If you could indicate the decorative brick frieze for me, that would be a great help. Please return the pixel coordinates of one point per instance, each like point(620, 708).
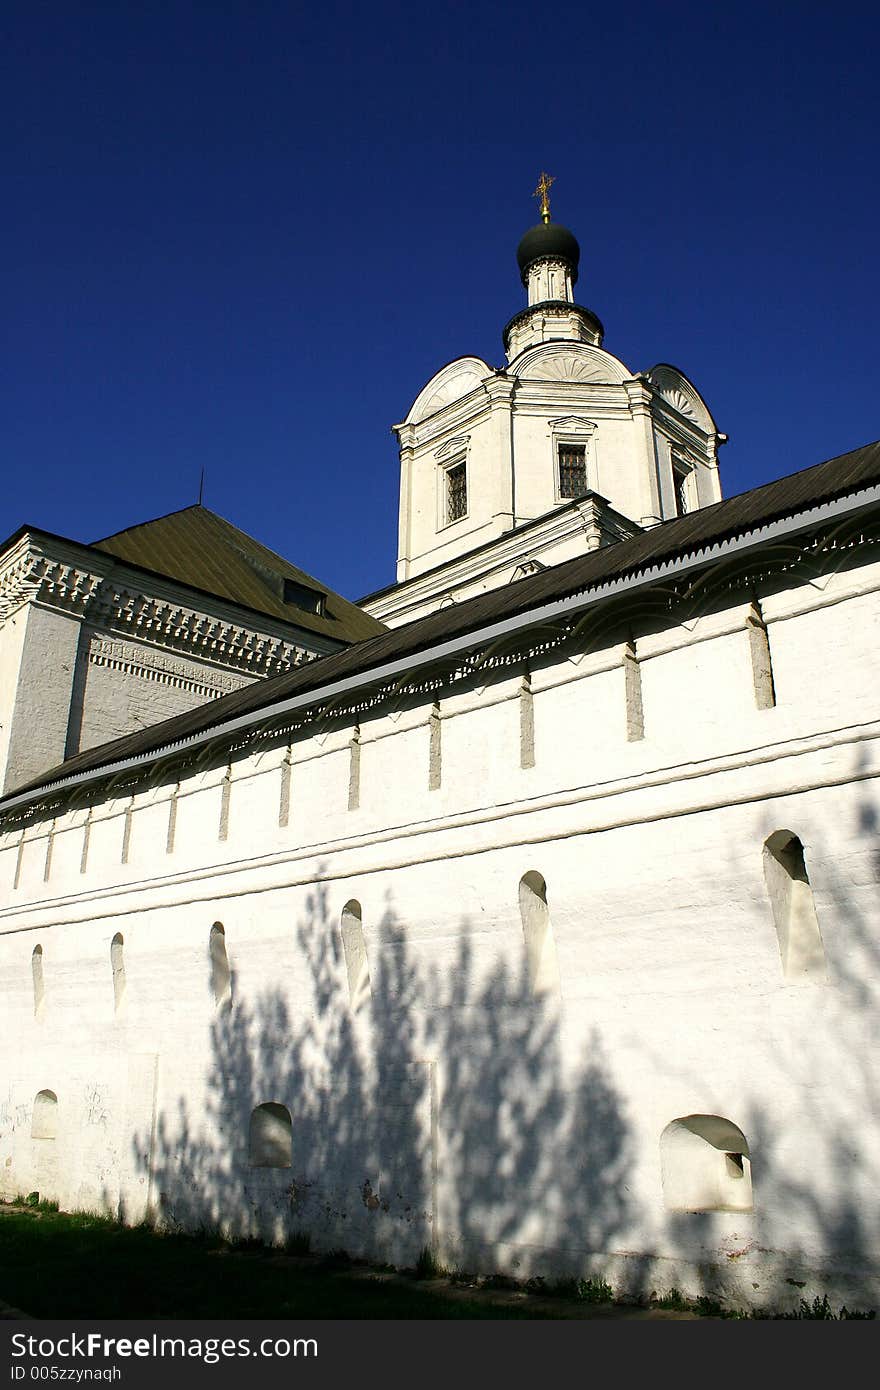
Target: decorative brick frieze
point(151, 665)
point(197, 634)
point(33, 576)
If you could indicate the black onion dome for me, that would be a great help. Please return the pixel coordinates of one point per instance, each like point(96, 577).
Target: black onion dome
point(548, 239)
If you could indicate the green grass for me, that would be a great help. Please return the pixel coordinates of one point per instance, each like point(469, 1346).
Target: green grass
point(673, 1299)
point(73, 1265)
point(821, 1311)
point(578, 1290)
point(818, 1310)
point(33, 1200)
point(427, 1266)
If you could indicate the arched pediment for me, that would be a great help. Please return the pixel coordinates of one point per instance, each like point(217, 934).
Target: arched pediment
point(453, 381)
point(569, 362)
point(681, 394)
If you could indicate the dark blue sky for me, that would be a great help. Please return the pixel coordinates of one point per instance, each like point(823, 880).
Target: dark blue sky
point(245, 235)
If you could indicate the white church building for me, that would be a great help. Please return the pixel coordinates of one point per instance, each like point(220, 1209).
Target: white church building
point(528, 912)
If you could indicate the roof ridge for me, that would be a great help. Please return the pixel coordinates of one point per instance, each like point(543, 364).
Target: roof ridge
point(235, 531)
point(199, 547)
point(151, 521)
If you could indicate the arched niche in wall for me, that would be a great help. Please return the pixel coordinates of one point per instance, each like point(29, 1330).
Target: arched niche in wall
point(705, 1165)
point(38, 981)
point(44, 1122)
point(117, 967)
point(542, 970)
point(354, 949)
point(794, 912)
point(221, 976)
point(270, 1142)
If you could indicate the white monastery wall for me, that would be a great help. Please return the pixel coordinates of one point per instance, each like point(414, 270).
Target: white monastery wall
point(450, 1104)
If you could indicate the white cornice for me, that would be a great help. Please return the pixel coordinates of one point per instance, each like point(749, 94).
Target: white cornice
point(238, 730)
point(468, 411)
point(681, 427)
point(570, 397)
point(494, 564)
point(28, 574)
point(31, 573)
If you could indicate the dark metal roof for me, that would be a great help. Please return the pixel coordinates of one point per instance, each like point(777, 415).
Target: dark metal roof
point(679, 537)
point(548, 239)
point(197, 547)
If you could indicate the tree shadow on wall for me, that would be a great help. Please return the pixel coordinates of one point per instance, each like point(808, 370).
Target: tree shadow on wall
point(539, 1154)
point(439, 1114)
point(815, 1200)
point(828, 1187)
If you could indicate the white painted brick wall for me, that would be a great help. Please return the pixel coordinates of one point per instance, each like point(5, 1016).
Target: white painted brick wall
point(509, 1132)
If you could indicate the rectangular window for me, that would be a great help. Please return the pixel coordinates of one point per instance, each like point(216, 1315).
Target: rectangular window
point(456, 492)
point(301, 596)
point(572, 470)
point(680, 479)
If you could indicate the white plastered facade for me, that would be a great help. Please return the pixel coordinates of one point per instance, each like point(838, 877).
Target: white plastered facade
point(454, 1107)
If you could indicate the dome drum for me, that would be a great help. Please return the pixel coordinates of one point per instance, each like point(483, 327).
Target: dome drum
point(556, 308)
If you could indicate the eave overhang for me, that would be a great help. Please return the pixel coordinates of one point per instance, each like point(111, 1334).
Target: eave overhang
point(238, 731)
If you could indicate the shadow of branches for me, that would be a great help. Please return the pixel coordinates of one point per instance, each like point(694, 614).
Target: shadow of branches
point(437, 1115)
point(826, 1185)
point(807, 1080)
point(448, 1111)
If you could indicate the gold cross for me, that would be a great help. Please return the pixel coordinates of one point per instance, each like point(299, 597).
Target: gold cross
point(543, 192)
